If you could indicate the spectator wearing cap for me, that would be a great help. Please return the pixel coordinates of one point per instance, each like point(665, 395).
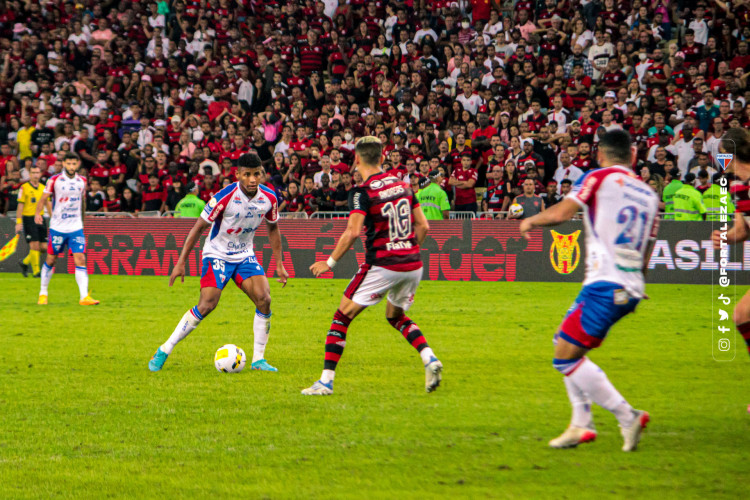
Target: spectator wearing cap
point(191, 205)
point(433, 199)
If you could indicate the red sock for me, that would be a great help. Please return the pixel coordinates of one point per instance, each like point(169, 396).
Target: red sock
point(336, 340)
point(410, 331)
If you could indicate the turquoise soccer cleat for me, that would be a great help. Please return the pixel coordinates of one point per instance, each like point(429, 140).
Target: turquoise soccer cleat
point(157, 360)
point(263, 365)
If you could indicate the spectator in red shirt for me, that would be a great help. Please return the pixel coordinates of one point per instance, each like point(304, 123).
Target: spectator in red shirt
point(463, 179)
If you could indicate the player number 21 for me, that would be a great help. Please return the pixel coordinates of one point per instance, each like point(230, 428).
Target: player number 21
point(635, 223)
point(399, 219)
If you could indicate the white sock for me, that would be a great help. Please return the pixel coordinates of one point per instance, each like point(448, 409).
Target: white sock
point(581, 405)
point(187, 324)
point(82, 278)
point(426, 355)
point(261, 331)
point(47, 272)
point(327, 376)
point(590, 379)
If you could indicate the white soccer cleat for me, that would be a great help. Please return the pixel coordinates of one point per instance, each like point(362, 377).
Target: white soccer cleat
point(433, 374)
point(319, 388)
point(573, 436)
point(632, 435)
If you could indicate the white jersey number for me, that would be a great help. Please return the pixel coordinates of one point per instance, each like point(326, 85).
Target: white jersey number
point(399, 219)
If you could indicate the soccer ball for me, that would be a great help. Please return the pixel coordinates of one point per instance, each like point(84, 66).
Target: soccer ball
point(515, 210)
point(229, 359)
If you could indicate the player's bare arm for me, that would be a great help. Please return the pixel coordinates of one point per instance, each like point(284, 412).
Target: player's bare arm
point(558, 214)
point(421, 225)
point(274, 236)
point(347, 239)
point(19, 210)
point(190, 241)
point(40, 207)
point(83, 209)
point(736, 234)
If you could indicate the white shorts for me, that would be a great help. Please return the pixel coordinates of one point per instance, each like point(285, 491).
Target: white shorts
point(371, 283)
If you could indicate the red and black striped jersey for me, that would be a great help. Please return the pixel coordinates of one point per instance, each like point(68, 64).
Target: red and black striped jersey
point(387, 204)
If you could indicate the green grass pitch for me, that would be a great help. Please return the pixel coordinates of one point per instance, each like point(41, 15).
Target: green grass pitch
point(82, 417)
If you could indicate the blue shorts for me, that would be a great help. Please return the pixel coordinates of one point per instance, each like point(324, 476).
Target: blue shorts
point(217, 273)
point(597, 307)
point(76, 241)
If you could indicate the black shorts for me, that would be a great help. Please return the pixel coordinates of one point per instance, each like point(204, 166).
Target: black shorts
point(34, 231)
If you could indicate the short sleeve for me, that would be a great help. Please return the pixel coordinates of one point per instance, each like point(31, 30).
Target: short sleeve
point(50, 187)
point(584, 189)
point(213, 209)
point(359, 202)
point(272, 216)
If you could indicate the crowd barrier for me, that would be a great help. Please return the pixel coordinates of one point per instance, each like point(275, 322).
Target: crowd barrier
point(455, 250)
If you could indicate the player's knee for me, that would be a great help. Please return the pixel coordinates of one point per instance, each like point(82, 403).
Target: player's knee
point(263, 303)
point(206, 307)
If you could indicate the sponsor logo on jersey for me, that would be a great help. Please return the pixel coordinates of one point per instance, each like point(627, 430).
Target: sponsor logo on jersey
point(724, 159)
point(565, 252)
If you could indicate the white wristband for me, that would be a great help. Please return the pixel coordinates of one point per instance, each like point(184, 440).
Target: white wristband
point(331, 263)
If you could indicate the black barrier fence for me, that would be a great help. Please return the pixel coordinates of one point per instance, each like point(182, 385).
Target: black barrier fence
point(455, 250)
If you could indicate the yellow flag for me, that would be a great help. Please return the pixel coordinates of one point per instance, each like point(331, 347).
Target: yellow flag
point(9, 248)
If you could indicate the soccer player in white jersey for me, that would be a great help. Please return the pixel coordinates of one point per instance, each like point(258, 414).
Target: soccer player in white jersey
point(619, 213)
point(68, 192)
point(234, 214)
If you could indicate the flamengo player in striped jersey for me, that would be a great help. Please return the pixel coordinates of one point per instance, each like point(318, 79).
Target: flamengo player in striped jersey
point(396, 228)
point(68, 193)
point(234, 214)
point(620, 222)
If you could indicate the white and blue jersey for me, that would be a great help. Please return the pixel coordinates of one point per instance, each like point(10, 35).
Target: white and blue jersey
point(67, 197)
point(66, 223)
point(619, 213)
point(235, 218)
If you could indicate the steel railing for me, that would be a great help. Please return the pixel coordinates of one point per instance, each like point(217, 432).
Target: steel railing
point(462, 215)
point(293, 215)
point(329, 215)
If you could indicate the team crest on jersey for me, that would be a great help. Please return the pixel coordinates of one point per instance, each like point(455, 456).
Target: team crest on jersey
point(724, 159)
point(212, 202)
point(565, 252)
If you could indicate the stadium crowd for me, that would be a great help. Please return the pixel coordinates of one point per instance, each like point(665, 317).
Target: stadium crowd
point(489, 100)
